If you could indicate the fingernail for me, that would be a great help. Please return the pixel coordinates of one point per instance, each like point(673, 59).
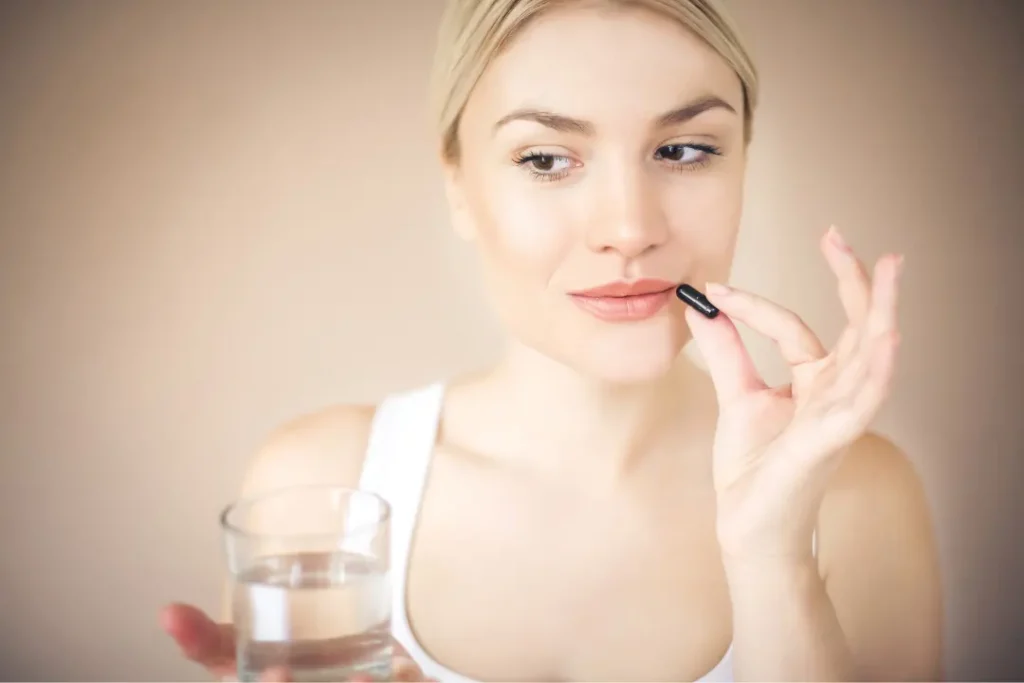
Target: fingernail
point(899, 265)
point(715, 289)
point(837, 239)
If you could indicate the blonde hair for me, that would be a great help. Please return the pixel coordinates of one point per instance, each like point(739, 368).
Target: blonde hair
point(474, 32)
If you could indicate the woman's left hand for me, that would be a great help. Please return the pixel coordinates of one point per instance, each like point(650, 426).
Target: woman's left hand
point(776, 447)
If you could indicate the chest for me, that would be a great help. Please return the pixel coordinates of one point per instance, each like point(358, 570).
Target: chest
point(508, 579)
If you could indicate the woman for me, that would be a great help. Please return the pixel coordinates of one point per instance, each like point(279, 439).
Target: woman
point(631, 517)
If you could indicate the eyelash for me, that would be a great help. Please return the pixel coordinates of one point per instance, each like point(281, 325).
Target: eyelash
point(528, 158)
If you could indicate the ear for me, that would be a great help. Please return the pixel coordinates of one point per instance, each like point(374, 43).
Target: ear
point(457, 205)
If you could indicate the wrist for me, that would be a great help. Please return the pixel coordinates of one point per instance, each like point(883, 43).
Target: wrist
point(770, 547)
point(752, 536)
point(759, 584)
point(784, 624)
point(770, 570)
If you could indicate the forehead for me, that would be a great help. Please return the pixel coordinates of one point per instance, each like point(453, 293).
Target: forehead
point(591, 61)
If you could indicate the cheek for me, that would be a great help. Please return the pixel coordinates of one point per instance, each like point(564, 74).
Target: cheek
point(522, 230)
point(706, 212)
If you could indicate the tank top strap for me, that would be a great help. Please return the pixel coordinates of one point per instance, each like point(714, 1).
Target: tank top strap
point(402, 438)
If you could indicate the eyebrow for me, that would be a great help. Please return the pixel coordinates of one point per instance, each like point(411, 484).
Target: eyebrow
point(568, 124)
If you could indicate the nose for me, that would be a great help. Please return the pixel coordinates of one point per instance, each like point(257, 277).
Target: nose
point(628, 217)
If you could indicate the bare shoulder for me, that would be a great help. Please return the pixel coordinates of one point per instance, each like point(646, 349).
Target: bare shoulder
point(877, 553)
point(875, 494)
point(325, 447)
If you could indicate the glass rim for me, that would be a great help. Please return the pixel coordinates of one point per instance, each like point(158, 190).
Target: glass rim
point(233, 528)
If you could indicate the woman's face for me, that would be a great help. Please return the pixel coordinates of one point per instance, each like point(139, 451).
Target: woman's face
point(601, 147)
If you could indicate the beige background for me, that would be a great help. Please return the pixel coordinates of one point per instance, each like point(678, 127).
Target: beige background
point(216, 215)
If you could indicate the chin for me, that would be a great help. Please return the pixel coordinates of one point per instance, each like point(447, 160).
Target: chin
point(626, 371)
point(630, 354)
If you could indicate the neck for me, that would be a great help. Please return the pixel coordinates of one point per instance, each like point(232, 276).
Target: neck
point(564, 421)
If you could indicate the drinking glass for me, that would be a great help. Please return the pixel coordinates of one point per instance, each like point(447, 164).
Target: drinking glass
point(311, 592)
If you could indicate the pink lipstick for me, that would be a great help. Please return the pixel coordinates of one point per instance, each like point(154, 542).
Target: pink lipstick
point(625, 301)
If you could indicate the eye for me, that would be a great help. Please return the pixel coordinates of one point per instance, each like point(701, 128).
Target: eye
point(686, 156)
point(545, 166)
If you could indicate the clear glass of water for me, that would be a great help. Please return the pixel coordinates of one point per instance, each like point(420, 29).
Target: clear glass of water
point(311, 589)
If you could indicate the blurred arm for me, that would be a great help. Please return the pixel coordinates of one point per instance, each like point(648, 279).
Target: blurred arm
point(870, 607)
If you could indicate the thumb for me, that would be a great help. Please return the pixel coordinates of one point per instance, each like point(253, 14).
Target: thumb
point(276, 675)
point(201, 639)
point(729, 363)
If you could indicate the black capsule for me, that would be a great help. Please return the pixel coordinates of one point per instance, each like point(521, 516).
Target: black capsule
point(697, 300)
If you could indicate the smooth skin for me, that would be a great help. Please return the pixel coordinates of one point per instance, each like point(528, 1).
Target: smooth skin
point(599, 508)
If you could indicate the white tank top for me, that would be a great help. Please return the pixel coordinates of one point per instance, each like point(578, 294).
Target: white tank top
point(402, 440)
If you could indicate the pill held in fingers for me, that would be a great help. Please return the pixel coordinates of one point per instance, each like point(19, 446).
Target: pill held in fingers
point(696, 300)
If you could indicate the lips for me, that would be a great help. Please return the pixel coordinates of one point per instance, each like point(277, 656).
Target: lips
point(625, 301)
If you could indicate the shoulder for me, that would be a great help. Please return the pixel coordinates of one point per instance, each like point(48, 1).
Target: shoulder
point(878, 557)
point(874, 463)
point(875, 499)
point(874, 479)
point(327, 447)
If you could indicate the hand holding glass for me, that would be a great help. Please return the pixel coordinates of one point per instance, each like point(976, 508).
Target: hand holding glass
point(311, 593)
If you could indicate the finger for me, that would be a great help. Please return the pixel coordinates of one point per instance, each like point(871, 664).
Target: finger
point(857, 345)
point(848, 342)
point(854, 282)
point(860, 345)
point(797, 343)
point(201, 639)
point(732, 370)
point(405, 669)
point(853, 414)
point(846, 412)
point(276, 675)
point(879, 380)
point(882, 316)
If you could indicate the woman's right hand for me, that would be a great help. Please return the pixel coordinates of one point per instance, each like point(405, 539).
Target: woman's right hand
point(201, 639)
point(212, 646)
